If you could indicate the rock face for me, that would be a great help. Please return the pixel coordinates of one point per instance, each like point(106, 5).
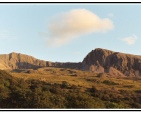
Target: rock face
point(98, 61)
point(103, 60)
point(22, 61)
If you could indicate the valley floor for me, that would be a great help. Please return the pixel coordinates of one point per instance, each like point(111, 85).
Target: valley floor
point(68, 88)
point(84, 79)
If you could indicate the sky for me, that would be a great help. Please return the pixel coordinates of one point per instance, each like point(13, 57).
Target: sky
point(68, 32)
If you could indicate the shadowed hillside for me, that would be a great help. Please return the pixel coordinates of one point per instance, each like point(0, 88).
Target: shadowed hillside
point(102, 60)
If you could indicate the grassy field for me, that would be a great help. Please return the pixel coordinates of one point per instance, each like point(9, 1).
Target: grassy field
point(67, 88)
point(83, 79)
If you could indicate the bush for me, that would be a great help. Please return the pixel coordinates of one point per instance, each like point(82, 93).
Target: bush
point(108, 82)
point(113, 105)
point(65, 84)
point(93, 89)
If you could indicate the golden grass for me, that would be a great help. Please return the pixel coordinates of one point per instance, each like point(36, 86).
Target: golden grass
point(80, 78)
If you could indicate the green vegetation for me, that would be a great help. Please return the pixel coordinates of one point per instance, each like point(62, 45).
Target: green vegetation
point(86, 90)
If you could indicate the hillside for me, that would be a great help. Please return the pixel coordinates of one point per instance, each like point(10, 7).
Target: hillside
point(98, 61)
point(67, 88)
point(22, 61)
point(102, 60)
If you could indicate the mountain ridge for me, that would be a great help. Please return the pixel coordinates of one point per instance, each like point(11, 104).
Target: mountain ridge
point(105, 61)
point(15, 60)
point(98, 60)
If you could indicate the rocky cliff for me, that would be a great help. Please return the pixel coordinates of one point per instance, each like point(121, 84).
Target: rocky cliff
point(22, 61)
point(98, 61)
point(102, 60)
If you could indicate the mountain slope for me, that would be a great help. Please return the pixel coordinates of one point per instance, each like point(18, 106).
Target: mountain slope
point(98, 61)
point(102, 60)
point(22, 61)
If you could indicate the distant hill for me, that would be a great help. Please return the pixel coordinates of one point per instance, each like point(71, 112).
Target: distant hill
point(22, 61)
point(98, 61)
point(102, 60)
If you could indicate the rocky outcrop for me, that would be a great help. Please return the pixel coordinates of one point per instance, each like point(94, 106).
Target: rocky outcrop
point(22, 61)
point(112, 62)
point(98, 61)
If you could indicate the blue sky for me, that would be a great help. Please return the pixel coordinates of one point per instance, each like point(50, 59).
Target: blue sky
point(33, 29)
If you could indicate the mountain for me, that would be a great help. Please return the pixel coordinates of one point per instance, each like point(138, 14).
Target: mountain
point(22, 61)
point(98, 61)
point(102, 60)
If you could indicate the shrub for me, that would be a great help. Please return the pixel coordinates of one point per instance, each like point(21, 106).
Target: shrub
point(65, 84)
point(113, 105)
point(108, 82)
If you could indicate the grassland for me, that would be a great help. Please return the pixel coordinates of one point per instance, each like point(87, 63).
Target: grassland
point(83, 79)
point(67, 88)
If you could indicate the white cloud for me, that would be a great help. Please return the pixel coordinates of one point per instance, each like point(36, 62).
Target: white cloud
point(130, 40)
point(67, 26)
